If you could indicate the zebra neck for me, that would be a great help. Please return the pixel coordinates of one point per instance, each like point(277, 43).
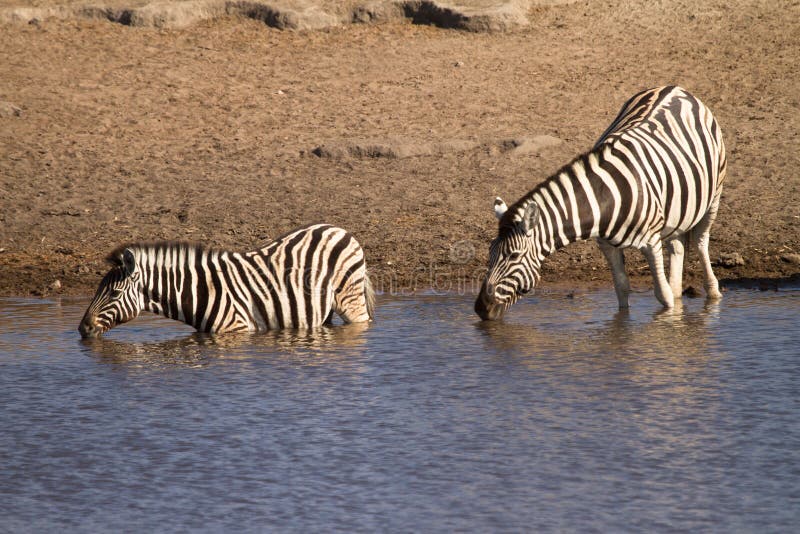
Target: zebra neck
point(569, 208)
point(168, 275)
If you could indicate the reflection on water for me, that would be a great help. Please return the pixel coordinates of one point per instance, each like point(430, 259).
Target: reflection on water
point(563, 416)
point(649, 375)
point(326, 344)
point(684, 337)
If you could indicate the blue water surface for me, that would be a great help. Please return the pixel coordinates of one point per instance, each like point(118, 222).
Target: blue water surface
point(567, 415)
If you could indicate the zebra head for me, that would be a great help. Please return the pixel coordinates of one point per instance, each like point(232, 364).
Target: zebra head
point(118, 298)
point(515, 259)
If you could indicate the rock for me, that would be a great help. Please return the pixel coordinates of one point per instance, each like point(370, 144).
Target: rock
point(730, 259)
point(55, 286)
point(470, 15)
point(25, 15)
point(791, 257)
point(333, 151)
point(174, 14)
point(389, 148)
point(285, 15)
point(7, 109)
point(377, 11)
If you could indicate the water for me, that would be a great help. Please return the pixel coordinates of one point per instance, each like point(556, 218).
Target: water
point(566, 416)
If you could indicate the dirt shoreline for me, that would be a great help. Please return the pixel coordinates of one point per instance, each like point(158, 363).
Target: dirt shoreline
point(230, 133)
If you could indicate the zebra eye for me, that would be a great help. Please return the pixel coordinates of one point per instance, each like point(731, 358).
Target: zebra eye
point(117, 293)
point(514, 256)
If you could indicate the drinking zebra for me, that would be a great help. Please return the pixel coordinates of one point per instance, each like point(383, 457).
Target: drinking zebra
point(653, 178)
point(297, 281)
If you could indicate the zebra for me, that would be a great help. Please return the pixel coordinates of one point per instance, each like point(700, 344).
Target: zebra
point(654, 178)
point(297, 281)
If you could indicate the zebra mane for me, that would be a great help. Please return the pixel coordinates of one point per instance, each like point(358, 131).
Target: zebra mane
point(600, 151)
point(509, 219)
point(115, 256)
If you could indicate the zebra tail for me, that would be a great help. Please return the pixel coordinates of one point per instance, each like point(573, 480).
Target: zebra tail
point(369, 296)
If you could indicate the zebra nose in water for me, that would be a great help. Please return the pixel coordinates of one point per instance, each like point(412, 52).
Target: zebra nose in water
point(486, 310)
point(87, 328)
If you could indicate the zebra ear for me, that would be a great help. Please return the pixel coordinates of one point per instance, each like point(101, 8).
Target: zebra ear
point(499, 207)
point(530, 217)
point(128, 261)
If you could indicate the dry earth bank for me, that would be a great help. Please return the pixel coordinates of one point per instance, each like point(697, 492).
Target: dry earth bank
point(230, 132)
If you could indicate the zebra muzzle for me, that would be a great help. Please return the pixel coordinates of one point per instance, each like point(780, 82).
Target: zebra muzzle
point(486, 307)
point(88, 328)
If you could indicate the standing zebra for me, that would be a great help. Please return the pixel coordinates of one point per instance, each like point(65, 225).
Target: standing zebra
point(297, 281)
point(654, 177)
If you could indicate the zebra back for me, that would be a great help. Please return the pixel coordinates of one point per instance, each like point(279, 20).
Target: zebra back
point(687, 125)
point(656, 170)
point(634, 111)
point(310, 272)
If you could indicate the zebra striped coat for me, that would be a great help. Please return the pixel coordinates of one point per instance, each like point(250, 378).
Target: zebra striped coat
point(297, 281)
point(654, 178)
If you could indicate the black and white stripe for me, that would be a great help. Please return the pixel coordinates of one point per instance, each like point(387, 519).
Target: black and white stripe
point(654, 178)
point(297, 281)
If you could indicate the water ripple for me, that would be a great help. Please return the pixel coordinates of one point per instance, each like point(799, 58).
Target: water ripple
point(567, 415)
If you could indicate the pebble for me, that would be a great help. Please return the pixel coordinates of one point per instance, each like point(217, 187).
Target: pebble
point(55, 286)
point(791, 258)
point(730, 259)
point(7, 109)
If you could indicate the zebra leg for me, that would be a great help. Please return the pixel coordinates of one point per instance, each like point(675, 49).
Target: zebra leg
point(703, 232)
point(616, 260)
point(655, 258)
point(676, 248)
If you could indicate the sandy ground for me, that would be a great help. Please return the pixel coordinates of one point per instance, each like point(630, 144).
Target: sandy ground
point(211, 133)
